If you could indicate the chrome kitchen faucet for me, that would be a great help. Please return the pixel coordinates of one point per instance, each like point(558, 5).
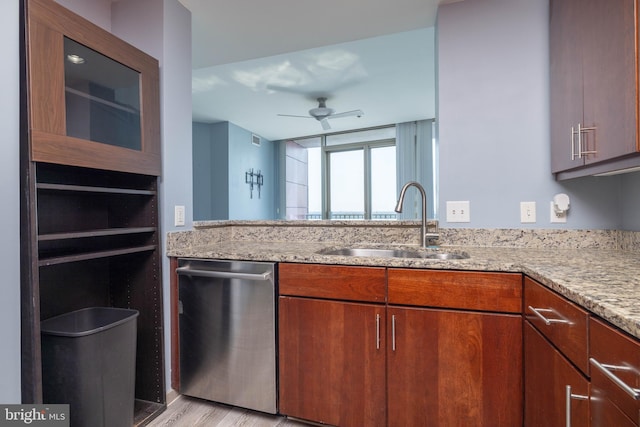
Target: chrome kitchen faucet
point(423, 229)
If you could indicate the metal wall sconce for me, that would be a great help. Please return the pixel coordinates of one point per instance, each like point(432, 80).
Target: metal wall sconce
point(254, 178)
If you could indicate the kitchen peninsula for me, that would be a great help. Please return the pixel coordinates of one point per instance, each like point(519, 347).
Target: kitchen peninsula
point(461, 318)
point(597, 269)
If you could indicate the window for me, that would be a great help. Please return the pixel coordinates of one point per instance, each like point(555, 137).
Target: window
point(344, 176)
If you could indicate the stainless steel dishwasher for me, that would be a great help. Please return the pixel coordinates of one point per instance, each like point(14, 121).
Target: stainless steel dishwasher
point(227, 328)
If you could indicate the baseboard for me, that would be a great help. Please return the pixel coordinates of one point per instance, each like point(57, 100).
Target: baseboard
point(171, 396)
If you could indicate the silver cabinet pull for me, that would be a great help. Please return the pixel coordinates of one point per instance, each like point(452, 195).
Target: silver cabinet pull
point(579, 140)
point(377, 332)
point(186, 271)
point(568, 397)
point(606, 370)
point(393, 332)
point(580, 152)
point(538, 312)
point(582, 130)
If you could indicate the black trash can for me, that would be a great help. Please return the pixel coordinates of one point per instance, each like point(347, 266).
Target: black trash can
point(89, 362)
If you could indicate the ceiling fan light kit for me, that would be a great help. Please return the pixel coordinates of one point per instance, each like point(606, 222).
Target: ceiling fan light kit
point(322, 113)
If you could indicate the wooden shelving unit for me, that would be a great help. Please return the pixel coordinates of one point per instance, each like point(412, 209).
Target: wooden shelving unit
point(89, 232)
point(97, 244)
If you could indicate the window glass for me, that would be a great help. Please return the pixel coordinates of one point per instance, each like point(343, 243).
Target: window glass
point(102, 98)
point(346, 183)
point(383, 182)
point(314, 183)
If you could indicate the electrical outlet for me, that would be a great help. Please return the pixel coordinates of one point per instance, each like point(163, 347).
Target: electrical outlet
point(458, 212)
point(527, 212)
point(178, 218)
point(554, 218)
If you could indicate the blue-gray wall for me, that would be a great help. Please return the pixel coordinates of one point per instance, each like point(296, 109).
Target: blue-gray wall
point(493, 120)
point(10, 216)
point(244, 156)
point(210, 171)
point(222, 154)
point(630, 194)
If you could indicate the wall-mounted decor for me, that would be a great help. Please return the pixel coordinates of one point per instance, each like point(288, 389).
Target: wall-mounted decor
point(254, 178)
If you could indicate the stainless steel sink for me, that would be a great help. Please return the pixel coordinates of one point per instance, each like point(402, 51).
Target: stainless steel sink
point(393, 253)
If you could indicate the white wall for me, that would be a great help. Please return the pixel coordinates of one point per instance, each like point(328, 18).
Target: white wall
point(10, 196)
point(493, 119)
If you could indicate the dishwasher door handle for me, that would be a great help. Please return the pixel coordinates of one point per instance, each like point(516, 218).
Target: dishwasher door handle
point(186, 271)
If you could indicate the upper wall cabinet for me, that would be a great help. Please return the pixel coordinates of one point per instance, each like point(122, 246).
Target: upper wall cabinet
point(94, 99)
point(594, 87)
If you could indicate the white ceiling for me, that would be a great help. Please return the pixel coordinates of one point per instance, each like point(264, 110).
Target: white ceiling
point(253, 60)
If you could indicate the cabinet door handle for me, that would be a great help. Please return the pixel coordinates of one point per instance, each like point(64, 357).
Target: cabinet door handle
point(581, 130)
point(579, 140)
point(393, 332)
point(377, 332)
point(606, 370)
point(547, 321)
point(568, 397)
point(580, 152)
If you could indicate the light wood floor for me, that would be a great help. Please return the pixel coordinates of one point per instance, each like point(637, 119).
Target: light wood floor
point(189, 412)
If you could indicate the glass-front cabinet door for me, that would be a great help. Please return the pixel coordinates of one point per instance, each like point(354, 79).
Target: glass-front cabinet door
point(94, 99)
point(102, 98)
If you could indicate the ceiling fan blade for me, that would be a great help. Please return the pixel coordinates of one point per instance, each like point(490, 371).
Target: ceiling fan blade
point(293, 115)
point(357, 113)
point(325, 124)
point(285, 89)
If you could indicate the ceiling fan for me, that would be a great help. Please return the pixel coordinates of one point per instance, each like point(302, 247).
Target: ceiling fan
point(322, 113)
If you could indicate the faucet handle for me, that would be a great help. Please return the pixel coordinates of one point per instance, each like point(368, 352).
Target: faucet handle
point(432, 232)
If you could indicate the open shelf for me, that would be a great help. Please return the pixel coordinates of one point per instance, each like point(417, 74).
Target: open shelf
point(95, 233)
point(90, 189)
point(44, 262)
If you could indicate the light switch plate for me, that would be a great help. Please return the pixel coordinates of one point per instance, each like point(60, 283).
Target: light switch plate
point(527, 212)
point(458, 212)
point(178, 219)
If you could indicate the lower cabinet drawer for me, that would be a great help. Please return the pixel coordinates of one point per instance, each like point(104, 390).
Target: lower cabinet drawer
point(368, 284)
point(561, 321)
point(464, 290)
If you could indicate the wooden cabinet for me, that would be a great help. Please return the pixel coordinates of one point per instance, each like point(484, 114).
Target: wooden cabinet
point(550, 382)
point(566, 107)
point(555, 359)
point(615, 376)
point(332, 361)
point(332, 352)
point(346, 359)
point(454, 367)
point(93, 99)
point(95, 243)
point(449, 368)
point(594, 90)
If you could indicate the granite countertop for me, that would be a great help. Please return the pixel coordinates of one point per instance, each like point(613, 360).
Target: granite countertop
point(603, 280)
